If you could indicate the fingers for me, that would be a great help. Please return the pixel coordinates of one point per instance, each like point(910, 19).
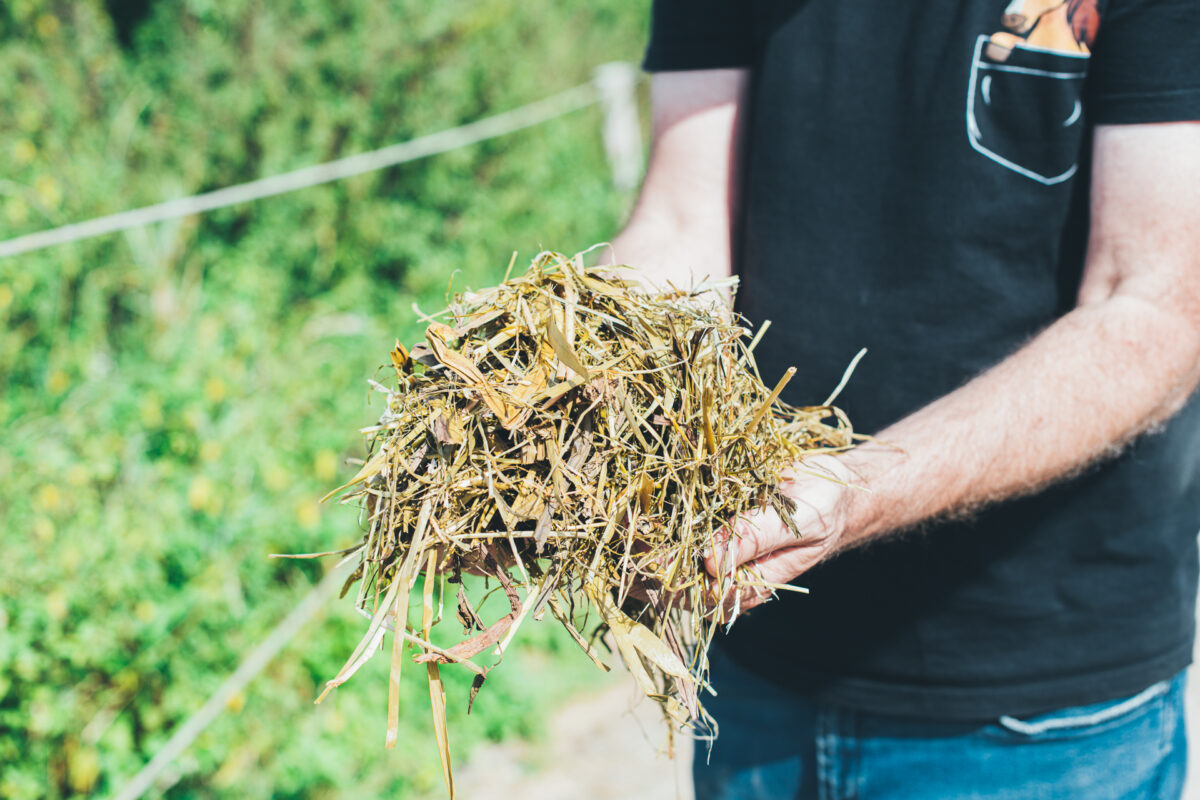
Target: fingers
point(765, 553)
point(761, 577)
point(753, 536)
point(817, 503)
point(782, 566)
point(735, 545)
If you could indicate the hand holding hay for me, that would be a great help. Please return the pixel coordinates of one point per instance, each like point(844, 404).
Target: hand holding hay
point(569, 435)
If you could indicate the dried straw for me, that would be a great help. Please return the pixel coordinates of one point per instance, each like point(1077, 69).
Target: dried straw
point(581, 441)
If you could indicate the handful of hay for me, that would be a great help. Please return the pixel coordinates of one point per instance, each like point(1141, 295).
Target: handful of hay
point(580, 441)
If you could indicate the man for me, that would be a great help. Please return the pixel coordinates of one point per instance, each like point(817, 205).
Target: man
point(1003, 204)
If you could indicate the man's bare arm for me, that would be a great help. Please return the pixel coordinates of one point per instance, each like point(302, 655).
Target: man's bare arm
point(680, 228)
point(1126, 358)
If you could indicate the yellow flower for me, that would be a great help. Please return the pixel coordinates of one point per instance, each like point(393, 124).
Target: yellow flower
point(126, 681)
point(46, 25)
point(24, 151)
point(308, 515)
point(236, 703)
point(47, 191)
point(83, 765)
point(57, 382)
point(277, 478)
point(17, 210)
point(193, 418)
point(215, 390)
point(151, 411)
point(47, 497)
point(325, 465)
point(326, 236)
point(145, 610)
point(200, 493)
point(56, 605)
point(6, 296)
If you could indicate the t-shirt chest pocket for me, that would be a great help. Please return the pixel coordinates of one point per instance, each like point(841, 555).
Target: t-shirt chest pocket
point(1025, 110)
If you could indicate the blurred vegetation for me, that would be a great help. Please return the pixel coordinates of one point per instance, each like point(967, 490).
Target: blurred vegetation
point(174, 400)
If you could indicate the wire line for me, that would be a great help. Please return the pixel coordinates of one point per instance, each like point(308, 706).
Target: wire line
point(258, 658)
point(443, 141)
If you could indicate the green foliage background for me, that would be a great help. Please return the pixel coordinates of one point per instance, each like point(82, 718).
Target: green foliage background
point(174, 400)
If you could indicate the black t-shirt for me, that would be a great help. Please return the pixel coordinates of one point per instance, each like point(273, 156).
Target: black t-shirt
point(916, 183)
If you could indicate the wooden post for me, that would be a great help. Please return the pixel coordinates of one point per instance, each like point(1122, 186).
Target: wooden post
point(616, 84)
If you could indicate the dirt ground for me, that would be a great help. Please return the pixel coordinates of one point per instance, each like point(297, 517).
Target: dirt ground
point(591, 753)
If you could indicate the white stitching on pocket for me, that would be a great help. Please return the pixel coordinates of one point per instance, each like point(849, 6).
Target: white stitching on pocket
point(1086, 720)
point(1077, 70)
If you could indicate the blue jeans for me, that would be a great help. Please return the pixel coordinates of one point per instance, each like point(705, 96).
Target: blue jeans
point(776, 745)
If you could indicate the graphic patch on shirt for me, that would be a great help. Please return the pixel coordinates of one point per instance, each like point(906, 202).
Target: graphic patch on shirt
point(1024, 101)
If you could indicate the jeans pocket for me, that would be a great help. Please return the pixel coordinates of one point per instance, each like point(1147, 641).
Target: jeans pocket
point(1086, 720)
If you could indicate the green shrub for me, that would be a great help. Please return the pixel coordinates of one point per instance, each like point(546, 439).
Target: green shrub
point(173, 400)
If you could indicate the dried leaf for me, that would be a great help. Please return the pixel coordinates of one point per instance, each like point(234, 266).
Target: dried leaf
point(562, 348)
point(437, 691)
